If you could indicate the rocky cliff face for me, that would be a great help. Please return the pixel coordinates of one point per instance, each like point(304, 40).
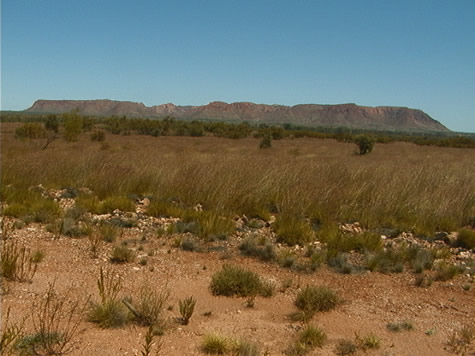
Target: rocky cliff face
point(343, 115)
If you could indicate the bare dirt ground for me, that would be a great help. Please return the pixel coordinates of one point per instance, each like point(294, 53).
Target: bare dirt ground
point(371, 300)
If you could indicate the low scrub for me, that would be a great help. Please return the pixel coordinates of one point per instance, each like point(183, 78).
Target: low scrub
point(235, 280)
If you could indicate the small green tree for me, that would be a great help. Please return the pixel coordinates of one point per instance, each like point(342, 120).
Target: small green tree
point(365, 144)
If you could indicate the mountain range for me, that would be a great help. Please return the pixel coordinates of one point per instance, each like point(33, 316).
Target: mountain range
point(387, 118)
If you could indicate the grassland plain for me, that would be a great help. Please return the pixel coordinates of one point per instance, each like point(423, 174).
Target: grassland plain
point(320, 183)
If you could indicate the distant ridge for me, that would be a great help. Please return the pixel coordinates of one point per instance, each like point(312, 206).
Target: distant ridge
point(387, 118)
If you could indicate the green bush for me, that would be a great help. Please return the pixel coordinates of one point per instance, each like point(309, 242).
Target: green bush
point(235, 280)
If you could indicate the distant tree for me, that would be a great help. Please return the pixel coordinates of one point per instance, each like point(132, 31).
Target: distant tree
point(365, 144)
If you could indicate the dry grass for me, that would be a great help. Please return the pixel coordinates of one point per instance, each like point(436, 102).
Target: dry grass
point(398, 185)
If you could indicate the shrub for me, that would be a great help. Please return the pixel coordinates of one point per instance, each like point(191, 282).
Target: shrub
point(246, 348)
point(109, 232)
point(187, 306)
point(251, 247)
point(10, 334)
point(235, 280)
point(109, 312)
point(466, 239)
point(148, 343)
point(460, 340)
point(117, 202)
point(150, 305)
point(17, 262)
point(31, 130)
point(122, 254)
point(292, 230)
point(400, 326)
point(420, 259)
point(370, 341)
point(55, 322)
point(316, 299)
point(72, 126)
point(312, 337)
point(446, 272)
point(266, 141)
point(345, 347)
point(98, 136)
point(365, 144)
point(189, 244)
point(341, 265)
point(215, 344)
point(389, 261)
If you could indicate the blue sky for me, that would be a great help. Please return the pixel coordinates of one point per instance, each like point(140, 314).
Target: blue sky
point(419, 54)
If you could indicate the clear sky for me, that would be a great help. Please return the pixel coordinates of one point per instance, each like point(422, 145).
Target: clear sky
point(414, 53)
